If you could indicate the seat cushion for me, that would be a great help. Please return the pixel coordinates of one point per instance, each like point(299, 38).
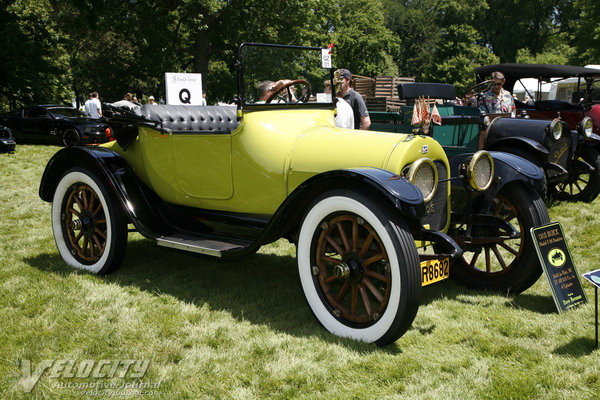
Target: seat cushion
point(192, 119)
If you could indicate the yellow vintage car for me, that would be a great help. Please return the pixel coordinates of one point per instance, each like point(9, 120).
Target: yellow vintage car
point(224, 180)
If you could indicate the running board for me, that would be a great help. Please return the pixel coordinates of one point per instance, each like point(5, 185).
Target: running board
point(209, 247)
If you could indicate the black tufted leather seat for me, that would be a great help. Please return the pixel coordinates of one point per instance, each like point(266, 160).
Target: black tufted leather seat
point(192, 119)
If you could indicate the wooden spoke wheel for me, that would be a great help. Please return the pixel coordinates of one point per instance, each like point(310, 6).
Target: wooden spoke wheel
point(494, 260)
point(90, 227)
point(352, 271)
point(583, 183)
point(84, 223)
point(359, 267)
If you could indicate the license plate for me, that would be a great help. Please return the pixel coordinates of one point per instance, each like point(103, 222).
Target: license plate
point(434, 271)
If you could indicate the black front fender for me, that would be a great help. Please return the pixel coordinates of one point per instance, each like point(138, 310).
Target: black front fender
point(402, 195)
point(533, 149)
point(137, 200)
point(507, 168)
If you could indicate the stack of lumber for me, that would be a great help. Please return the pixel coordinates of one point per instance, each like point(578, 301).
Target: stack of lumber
point(384, 95)
point(364, 85)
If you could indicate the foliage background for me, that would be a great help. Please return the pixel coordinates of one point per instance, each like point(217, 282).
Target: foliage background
point(57, 51)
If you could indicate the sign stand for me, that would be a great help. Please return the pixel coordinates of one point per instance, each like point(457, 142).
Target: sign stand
point(558, 266)
point(594, 278)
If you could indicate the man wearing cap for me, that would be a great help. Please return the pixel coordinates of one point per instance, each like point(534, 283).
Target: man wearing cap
point(151, 100)
point(352, 97)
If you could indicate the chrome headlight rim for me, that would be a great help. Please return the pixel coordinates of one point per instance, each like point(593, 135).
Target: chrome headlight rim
point(415, 167)
point(585, 127)
point(556, 128)
point(480, 156)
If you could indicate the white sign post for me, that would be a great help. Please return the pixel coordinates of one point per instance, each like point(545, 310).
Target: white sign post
point(183, 89)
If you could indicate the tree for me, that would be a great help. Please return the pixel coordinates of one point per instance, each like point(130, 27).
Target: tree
point(34, 59)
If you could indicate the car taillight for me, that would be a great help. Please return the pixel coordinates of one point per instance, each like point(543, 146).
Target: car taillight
point(109, 134)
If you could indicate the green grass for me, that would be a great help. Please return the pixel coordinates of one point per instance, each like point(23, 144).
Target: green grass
point(240, 329)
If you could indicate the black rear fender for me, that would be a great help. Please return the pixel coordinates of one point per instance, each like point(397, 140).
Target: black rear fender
point(136, 199)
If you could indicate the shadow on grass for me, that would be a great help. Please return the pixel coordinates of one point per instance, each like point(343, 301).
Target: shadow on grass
point(577, 347)
point(263, 289)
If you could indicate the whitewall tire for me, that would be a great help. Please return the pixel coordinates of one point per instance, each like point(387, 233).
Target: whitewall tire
point(89, 226)
point(359, 267)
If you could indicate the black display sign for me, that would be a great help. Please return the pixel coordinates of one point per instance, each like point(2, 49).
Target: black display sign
point(558, 266)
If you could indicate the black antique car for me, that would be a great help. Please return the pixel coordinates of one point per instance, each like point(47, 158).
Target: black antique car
point(56, 124)
point(505, 262)
point(7, 141)
point(568, 151)
point(574, 91)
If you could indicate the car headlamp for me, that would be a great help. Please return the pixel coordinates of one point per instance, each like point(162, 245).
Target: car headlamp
point(480, 170)
point(556, 128)
point(486, 121)
point(423, 174)
point(585, 127)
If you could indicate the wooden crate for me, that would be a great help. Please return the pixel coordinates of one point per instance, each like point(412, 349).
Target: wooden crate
point(387, 86)
point(364, 85)
point(383, 104)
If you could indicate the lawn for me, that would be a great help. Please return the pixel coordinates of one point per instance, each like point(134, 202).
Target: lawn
point(240, 329)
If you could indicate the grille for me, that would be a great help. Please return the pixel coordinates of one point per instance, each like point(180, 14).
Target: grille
point(437, 208)
point(560, 151)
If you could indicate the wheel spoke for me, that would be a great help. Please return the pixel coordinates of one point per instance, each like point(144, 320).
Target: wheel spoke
point(373, 289)
point(578, 187)
point(97, 241)
point(97, 210)
point(498, 207)
point(366, 245)
point(488, 264)
point(474, 259)
point(510, 216)
point(373, 259)
point(99, 232)
point(499, 257)
point(74, 211)
point(84, 247)
point(365, 300)
point(333, 244)
point(579, 178)
point(508, 248)
point(85, 199)
point(78, 201)
point(343, 291)
point(375, 275)
point(344, 237)
point(330, 279)
point(79, 235)
point(330, 260)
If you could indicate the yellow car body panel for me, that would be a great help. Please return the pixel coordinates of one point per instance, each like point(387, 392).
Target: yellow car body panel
point(254, 168)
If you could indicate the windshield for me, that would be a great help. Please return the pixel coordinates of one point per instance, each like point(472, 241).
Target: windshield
point(66, 112)
point(277, 75)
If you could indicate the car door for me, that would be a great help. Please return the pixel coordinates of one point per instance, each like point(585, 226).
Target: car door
point(37, 125)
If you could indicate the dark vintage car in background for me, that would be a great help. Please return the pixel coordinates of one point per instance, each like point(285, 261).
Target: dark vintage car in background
point(570, 93)
point(490, 260)
point(572, 164)
point(55, 124)
point(7, 141)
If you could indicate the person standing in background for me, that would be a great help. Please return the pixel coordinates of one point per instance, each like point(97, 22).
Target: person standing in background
point(352, 97)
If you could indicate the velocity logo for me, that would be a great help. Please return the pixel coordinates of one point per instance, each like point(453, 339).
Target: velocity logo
point(81, 369)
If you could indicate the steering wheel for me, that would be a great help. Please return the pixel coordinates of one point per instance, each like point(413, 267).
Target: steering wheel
point(478, 89)
point(304, 98)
